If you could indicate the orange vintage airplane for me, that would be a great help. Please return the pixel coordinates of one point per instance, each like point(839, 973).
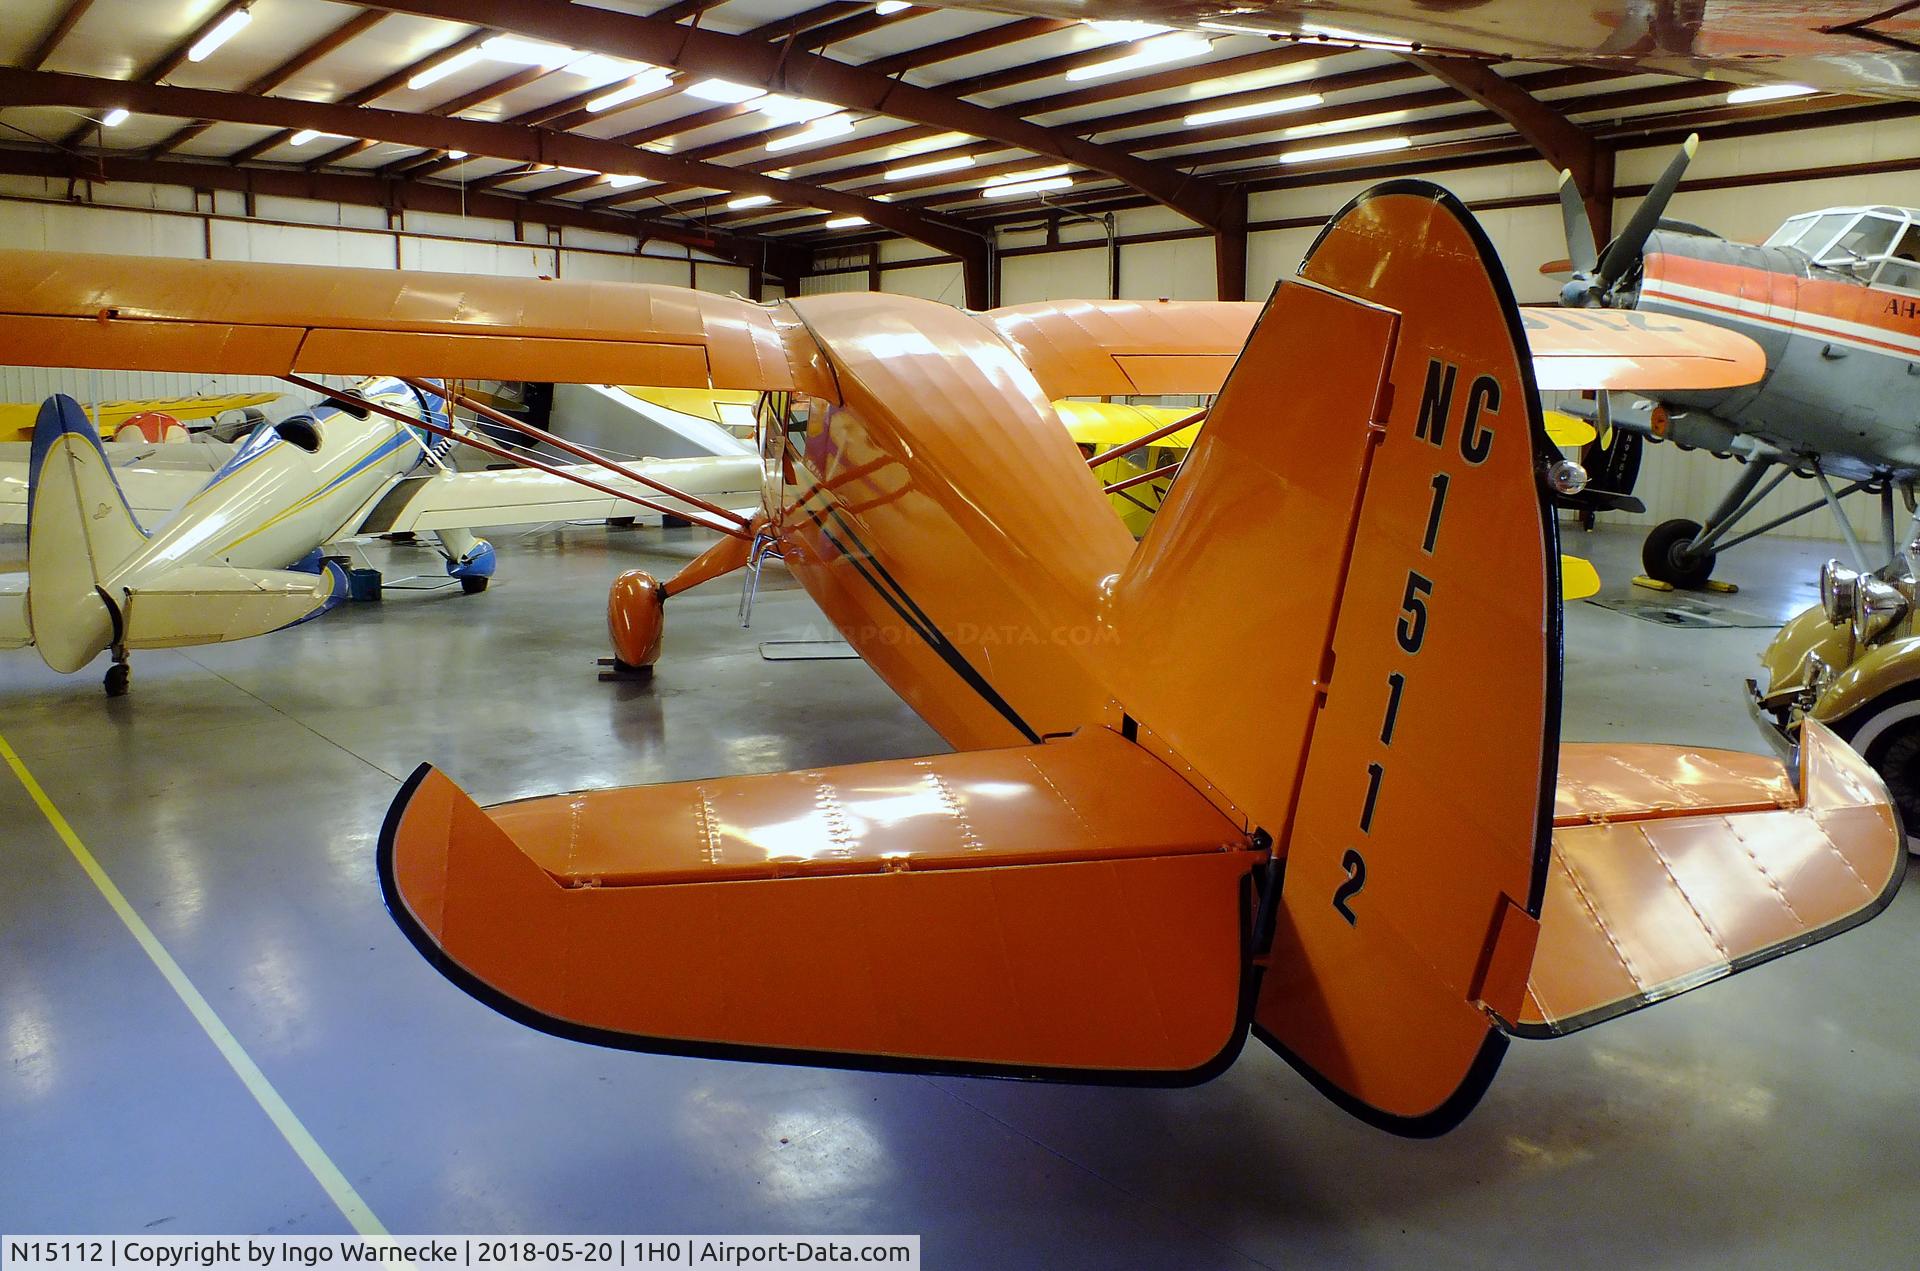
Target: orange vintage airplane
point(1290, 767)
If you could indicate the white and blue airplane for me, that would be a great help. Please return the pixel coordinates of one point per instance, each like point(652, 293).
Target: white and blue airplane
point(243, 554)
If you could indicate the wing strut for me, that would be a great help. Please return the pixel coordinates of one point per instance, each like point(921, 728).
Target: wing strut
point(1147, 439)
point(734, 524)
point(561, 443)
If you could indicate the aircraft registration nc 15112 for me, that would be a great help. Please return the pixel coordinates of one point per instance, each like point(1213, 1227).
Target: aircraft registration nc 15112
point(1833, 299)
point(1289, 768)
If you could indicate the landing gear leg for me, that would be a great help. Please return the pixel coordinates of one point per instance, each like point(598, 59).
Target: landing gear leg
point(1840, 519)
point(1886, 523)
point(764, 545)
point(1681, 553)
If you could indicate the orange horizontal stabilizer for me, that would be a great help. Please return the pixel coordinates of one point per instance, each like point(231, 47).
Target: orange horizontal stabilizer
point(1074, 908)
point(1674, 867)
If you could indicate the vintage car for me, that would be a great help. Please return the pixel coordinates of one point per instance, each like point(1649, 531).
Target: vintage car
point(1853, 663)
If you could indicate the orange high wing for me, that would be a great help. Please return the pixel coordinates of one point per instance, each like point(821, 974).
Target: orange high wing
point(1116, 348)
point(234, 317)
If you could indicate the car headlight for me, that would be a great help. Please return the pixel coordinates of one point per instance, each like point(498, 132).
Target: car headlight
point(1877, 605)
point(1839, 589)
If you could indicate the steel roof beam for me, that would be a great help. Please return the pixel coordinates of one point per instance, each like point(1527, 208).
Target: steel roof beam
point(993, 37)
point(166, 64)
point(280, 74)
point(372, 92)
point(369, 191)
point(69, 17)
point(513, 142)
point(1176, 77)
point(1561, 143)
point(809, 75)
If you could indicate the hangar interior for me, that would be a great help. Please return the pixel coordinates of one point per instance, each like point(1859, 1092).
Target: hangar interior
point(982, 156)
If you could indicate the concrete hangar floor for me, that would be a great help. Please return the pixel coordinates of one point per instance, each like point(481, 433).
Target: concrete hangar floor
point(1772, 1120)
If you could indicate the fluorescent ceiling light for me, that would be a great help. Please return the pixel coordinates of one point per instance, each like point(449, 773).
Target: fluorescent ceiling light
point(749, 200)
point(724, 91)
point(1122, 29)
point(1155, 52)
point(115, 117)
point(1766, 93)
point(848, 222)
point(456, 154)
point(651, 80)
point(585, 172)
point(1011, 188)
point(887, 8)
point(931, 166)
point(1034, 174)
point(792, 110)
point(818, 130)
point(1233, 28)
point(228, 28)
point(305, 135)
point(622, 181)
point(1346, 149)
point(440, 70)
point(511, 48)
point(1252, 110)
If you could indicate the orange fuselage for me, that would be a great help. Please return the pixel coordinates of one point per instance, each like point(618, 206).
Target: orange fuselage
point(944, 521)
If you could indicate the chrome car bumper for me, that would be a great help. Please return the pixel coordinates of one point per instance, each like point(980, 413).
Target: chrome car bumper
point(1781, 738)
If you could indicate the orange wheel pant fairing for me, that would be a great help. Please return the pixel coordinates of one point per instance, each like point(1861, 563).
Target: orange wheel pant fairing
point(988, 911)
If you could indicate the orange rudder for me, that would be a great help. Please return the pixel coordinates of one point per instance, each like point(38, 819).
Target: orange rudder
point(1345, 622)
point(1418, 851)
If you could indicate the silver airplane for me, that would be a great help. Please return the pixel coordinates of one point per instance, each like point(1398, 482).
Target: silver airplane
point(1832, 298)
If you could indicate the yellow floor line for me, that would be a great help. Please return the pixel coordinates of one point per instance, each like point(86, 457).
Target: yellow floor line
point(324, 1171)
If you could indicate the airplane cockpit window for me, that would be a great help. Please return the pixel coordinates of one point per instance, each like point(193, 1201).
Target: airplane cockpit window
point(301, 431)
point(1900, 275)
point(1867, 238)
point(1823, 229)
point(1789, 233)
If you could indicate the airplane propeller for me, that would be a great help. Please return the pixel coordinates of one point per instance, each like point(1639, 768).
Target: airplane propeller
point(1594, 278)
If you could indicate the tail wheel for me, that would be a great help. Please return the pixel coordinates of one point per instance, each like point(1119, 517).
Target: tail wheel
point(1664, 555)
point(473, 586)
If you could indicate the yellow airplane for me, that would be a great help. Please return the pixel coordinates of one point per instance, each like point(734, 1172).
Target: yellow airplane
point(1101, 428)
point(16, 418)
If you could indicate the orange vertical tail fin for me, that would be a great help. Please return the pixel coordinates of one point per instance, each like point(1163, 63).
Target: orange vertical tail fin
point(1346, 620)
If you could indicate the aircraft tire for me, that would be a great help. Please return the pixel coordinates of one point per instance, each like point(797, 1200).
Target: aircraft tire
point(1662, 555)
point(118, 677)
point(473, 586)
